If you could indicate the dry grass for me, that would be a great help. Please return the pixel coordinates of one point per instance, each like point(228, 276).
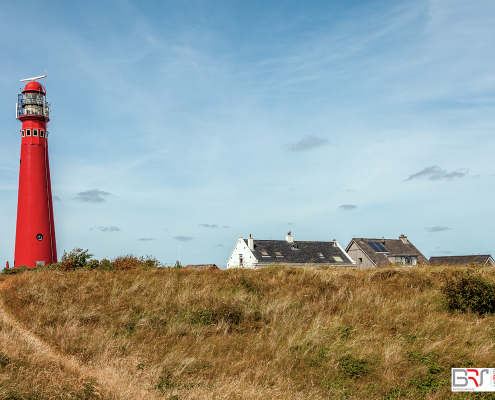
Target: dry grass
point(276, 333)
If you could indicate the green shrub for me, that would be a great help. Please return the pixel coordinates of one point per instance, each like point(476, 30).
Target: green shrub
point(150, 262)
point(231, 314)
point(92, 264)
point(430, 384)
point(465, 292)
point(353, 367)
point(165, 382)
point(74, 259)
point(106, 265)
point(53, 267)
point(13, 271)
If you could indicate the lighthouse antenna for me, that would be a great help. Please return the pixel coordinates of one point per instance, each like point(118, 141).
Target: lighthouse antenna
point(34, 79)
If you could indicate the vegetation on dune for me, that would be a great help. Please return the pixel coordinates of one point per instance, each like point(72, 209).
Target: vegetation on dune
point(81, 259)
point(278, 333)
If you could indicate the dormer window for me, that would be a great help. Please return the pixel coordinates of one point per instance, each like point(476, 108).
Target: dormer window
point(321, 255)
point(338, 259)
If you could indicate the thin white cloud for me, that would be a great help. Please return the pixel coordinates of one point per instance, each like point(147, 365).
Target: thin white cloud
point(208, 226)
point(146, 239)
point(348, 207)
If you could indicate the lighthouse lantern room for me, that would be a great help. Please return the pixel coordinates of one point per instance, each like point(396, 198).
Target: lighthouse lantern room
point(35, 231)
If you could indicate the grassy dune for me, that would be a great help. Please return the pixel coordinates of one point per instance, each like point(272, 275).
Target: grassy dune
point(276, 333)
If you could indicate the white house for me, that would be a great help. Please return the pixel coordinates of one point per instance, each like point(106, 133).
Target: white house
point(250, 253)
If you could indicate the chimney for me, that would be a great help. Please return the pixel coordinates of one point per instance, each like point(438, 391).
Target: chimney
point(403, 238)
point(383, 240)
point(334, 242)
point(289, 238)
point(250, 242)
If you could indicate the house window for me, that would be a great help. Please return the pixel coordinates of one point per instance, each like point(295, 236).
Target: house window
point(279, 254)
point(410, 260)
point(321, 255)
point(360, 260)
point(337, 258)
point(240, 259)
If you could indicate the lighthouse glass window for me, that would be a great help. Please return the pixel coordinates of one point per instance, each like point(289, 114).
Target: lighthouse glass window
point(28, 132)
point(42, 133)
point(35, 132)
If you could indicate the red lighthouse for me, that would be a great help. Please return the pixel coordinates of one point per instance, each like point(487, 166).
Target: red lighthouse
point(35, 231)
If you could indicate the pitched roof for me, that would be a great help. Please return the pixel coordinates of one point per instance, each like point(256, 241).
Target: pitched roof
point(202, 267)
point(393, 247)
point(461, 260)
point(281, 251)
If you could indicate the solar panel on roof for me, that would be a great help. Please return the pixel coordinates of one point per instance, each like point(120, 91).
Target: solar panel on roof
point(377, 247)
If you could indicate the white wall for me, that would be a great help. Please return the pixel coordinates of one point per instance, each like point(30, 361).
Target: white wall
point(249, 261)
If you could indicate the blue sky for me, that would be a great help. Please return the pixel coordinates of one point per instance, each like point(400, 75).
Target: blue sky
point(209, 120)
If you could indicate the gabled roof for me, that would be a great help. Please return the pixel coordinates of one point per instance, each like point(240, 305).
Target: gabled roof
point(282, 251)
point(202, 267)
point(393, 247)
point(462, 260)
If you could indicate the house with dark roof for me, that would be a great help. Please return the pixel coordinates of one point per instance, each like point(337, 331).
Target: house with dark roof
point(484, 260)
point(251, 253)
point(374, 253)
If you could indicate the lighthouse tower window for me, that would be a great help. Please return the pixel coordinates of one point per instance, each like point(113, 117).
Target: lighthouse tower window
point(42, 133)
point(23, 133)
point(28, 132)
point(35, 132)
